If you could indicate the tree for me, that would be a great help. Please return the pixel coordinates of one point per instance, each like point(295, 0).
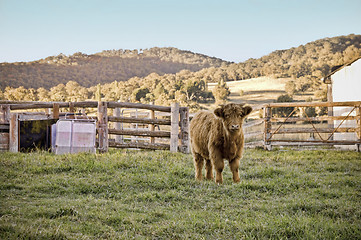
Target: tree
point(31, 95)
point(83, 94)
point(283, 111)
point(159, 90)
point(310, 111)
point(193, 89)
point(16, 94)
point(221, 75)
point(140, 93)
point(290, 88)
point(303, 84)
point(43, 94)
point(8, 94)
point(98, 93)
point(72, 89)
point(221, 92)
point(58, 93)
point(351, 53)
point(162, 100)
point(180, 97)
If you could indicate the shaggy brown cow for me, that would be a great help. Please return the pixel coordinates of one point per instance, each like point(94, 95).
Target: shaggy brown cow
point(216, 137)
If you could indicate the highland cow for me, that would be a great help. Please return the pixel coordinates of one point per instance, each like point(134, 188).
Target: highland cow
point(218, 136)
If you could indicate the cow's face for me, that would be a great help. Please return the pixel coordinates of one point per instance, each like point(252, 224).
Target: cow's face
point(232, 116)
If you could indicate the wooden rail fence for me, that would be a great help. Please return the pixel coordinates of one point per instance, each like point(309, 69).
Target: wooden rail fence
point(268, 131)
point(177, 119)
point(342, 126)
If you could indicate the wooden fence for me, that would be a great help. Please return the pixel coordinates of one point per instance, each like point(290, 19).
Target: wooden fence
point(177, 119)
point(342, 126)
point(267, 131)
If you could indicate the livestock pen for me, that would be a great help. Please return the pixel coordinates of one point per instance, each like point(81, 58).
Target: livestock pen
point(289, 124)
point(176, 118)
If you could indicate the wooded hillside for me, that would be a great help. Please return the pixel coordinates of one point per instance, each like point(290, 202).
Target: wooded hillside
point(313, 60)
point(104, 67)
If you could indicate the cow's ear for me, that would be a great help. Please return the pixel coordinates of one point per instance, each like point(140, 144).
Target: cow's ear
point(219, 112)
point(247, 110)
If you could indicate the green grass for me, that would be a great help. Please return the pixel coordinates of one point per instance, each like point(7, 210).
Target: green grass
point(153, 195)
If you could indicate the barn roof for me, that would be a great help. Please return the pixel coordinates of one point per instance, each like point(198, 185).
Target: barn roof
point(334, 69)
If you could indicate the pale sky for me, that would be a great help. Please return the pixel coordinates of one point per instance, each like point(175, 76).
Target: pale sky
point(233, 30)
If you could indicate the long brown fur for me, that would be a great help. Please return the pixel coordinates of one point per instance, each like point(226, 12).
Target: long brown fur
point(217, 136)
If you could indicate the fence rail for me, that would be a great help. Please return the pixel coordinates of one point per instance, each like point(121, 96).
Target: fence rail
point(139, 120)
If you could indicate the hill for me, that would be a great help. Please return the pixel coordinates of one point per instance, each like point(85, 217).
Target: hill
point(312, 60)
point(309, 62)
point(104, 67)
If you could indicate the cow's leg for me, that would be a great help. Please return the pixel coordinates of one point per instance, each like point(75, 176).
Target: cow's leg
point(209, 170)
point(234, 165)
point(198, 165)
point(218, 164)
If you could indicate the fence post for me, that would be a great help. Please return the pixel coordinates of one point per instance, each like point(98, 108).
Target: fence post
point(4, 123)
point(174, 127)
point(358, 125)
point(48, 112)
point(330, 108)
point(14, 133)
point(5, 114)
point(152, 127)
point(71, 110)
point(267, 128)
point(2, 114)
point(184, 130)
point(117, 125)
point(56, 110)
point(103, 126)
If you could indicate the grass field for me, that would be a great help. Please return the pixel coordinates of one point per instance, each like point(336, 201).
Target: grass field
point(258, 91)
point(153, 195)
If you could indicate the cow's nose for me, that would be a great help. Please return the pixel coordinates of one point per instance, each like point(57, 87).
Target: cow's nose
point(235, 127)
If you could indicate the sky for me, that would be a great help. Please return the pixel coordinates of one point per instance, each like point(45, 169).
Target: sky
point(233, 30)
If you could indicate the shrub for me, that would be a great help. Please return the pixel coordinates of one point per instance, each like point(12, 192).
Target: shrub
point(283, 111)
point(290, 88)
point(221, 92)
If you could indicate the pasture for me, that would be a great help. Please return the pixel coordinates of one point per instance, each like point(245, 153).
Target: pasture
point(258, 91)
point(126, 194)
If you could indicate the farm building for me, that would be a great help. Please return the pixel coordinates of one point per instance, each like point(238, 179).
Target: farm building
point(344, 85)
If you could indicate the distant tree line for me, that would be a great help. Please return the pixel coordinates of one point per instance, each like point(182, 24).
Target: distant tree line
point(182, 87)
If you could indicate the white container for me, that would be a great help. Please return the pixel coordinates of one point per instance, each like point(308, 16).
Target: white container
point(74, 135)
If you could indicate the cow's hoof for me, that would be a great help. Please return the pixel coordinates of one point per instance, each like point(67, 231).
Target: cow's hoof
point(236, 180)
